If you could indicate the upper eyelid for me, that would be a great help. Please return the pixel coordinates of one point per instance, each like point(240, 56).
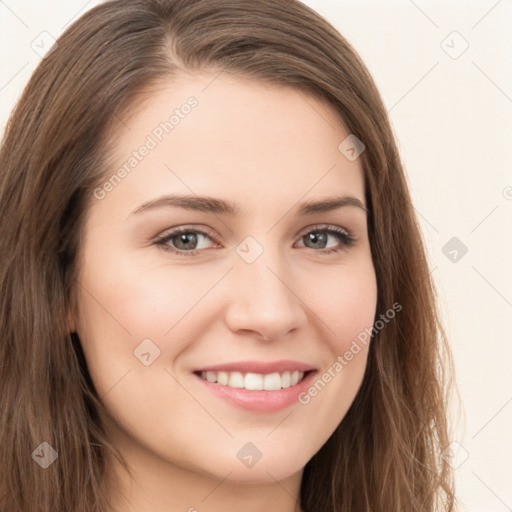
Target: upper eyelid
point(320, 227)
point(186, 228)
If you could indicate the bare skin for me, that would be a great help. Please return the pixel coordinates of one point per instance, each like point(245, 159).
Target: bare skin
point(268, 149)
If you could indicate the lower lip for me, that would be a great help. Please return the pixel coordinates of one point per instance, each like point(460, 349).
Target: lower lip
point(259, 400)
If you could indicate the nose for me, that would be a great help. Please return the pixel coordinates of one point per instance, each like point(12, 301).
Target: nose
point(265, 298)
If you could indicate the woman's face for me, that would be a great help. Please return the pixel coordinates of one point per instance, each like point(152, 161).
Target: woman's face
point(249, 286)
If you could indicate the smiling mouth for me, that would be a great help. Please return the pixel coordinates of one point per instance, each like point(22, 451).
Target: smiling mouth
point(254, 381)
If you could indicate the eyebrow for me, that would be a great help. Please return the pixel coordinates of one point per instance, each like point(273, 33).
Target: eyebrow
point(219, 206)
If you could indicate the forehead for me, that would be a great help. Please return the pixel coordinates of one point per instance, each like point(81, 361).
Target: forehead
point(223, 135)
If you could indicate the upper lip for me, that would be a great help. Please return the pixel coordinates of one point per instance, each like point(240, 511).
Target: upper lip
point(263, 367)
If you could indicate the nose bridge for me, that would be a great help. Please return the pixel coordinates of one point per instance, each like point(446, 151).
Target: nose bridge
point(264, 299)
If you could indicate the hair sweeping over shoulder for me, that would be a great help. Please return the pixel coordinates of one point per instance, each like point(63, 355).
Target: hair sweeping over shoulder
point(386, 453)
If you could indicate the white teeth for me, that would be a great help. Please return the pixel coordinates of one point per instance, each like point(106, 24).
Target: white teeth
point(222, 378)
point(254, 381)
point(272, 381)
point(236, 380)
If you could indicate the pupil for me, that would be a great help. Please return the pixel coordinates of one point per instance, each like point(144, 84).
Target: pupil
point(186, 238)
point(315, 238)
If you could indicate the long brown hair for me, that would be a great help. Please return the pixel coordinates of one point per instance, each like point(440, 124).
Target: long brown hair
point(386, 454)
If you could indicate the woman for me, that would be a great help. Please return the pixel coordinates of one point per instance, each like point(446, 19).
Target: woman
point(215, 291)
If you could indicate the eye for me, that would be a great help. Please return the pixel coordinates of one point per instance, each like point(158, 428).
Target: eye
point(184, 241)
point(320, 235)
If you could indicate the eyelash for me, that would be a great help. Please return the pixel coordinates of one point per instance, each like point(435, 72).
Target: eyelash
point(346, 239)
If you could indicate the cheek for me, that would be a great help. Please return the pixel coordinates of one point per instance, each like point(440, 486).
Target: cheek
point(120, 321)
point(139, 298)
point(123, 301)
point(346, 302)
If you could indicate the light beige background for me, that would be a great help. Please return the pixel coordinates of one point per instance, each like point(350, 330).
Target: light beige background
point(452, 114)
